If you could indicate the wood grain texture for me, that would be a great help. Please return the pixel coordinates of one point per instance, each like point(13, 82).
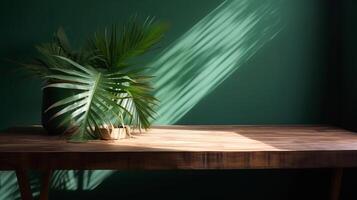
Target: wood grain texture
point(185, 147)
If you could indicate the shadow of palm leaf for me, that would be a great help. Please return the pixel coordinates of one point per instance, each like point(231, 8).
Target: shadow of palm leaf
point(78, 179)
point(210, 52)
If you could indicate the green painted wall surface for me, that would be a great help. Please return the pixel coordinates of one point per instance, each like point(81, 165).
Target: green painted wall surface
point(282, 83)
point(27, 23)
point(349, 66)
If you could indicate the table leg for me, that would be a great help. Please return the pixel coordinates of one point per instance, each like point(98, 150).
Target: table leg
point(336, 181)
point(45, 184)
point(24, 184)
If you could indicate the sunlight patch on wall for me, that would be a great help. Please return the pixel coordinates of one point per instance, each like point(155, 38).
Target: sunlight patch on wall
point(210, 52)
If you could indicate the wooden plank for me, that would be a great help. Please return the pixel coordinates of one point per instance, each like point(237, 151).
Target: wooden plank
point(179, 160)
point(193, 138)
point(186, 147)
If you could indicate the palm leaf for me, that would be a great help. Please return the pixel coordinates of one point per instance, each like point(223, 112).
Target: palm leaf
point(93, 106)
point(109, 89)
point(114, 50)
point(141, 102)
point(60, 46)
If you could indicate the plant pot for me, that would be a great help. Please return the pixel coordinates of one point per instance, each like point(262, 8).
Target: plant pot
point(49, 97)
point(110, 133)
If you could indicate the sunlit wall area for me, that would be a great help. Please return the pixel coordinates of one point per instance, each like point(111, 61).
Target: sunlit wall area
point(284, 82)
point(208, 53)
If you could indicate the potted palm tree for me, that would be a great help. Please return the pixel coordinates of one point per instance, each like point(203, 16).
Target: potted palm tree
point(98, 91)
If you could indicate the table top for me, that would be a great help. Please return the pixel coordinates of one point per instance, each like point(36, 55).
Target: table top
point(185, 147)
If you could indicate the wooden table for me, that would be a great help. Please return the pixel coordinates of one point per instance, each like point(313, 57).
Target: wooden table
point(182, 147)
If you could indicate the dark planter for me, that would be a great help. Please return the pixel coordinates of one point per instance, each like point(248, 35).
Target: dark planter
point(49, 97)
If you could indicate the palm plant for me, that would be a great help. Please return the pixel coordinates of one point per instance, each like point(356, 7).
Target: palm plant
point(108, 88)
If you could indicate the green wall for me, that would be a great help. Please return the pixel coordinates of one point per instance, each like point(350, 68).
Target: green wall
point(27, 23)
point(283, 82)
point(349, 66)
point(342, 68)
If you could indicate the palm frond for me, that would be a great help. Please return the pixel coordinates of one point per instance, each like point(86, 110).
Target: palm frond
point(62, 41)
point(60, 46)
point(94, 105)
point(135, 39)
point(108, 89)
point(137, 98)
